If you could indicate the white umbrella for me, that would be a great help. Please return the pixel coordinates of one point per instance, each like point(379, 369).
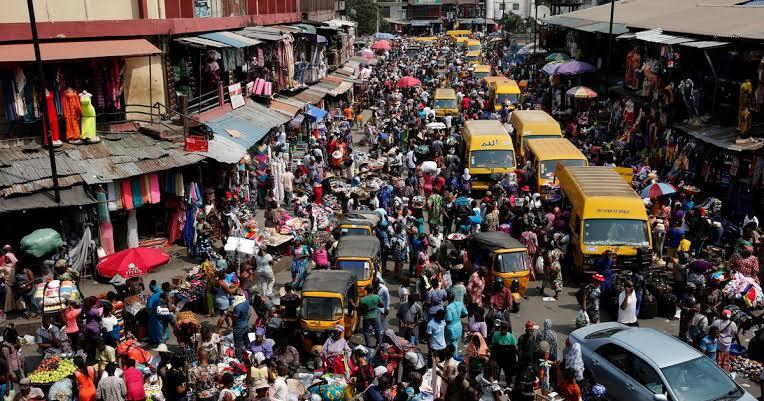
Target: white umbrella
point(436, 125)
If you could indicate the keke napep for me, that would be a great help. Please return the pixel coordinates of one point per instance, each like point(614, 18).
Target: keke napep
point(360, 256)
point(329, 299)
point(500, 255)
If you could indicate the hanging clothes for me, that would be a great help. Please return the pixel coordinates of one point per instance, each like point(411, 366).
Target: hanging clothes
point(88, 118)
point(72, 114)
point(136, 186)
point(127, 194)
point(132, 229)
point(154, 188)
point(112, 197)
point(146, 189)
point(52, 122)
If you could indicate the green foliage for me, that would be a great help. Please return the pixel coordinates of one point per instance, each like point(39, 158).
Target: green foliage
point(366, 15)
point(512, 22)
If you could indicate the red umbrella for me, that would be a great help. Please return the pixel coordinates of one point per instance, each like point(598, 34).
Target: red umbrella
point(381, 45)
point(408, 82)
point(132, 262)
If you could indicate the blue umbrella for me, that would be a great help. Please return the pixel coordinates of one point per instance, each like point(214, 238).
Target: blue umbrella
point(551, 68)
point(383, 35)
point(574, 67)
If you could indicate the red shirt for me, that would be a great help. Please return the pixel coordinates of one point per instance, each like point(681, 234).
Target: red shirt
point(569, 391)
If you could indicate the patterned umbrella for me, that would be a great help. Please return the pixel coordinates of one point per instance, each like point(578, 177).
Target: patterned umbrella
point(551, 67)
point(408, 82)
point(581, 92)
point(657, 189)
point(557, 57)
point(367, 53)
point(574, 67)
point(531, 49)
point(383, 35)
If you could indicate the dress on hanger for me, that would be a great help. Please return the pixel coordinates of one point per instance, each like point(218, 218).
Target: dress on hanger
point(72, 114)
point(88, 118)
point(52, 119)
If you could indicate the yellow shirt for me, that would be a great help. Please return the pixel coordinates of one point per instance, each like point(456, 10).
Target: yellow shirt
point(684, 246)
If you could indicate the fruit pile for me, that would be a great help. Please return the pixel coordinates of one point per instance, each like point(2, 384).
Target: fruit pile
point(52, 370)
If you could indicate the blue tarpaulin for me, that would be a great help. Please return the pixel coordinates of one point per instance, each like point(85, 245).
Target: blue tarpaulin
point(316, 113)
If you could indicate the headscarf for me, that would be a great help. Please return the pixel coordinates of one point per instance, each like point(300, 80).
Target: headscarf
point(574, 361)
point(548, 335)
point(466, 174)
point(479, 351)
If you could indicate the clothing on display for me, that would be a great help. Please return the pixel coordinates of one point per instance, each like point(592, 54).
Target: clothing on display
point(52, 123)
point(88, 126)
point(132, 229)
point(72, 114)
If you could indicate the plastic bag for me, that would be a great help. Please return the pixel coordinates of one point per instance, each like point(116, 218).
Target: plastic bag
point(41, 242)
point(582, 319)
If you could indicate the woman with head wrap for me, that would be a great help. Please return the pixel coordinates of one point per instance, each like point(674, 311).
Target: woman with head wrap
point(548, 335)
point(477, 352)
point(574, 361)
point(335, 351)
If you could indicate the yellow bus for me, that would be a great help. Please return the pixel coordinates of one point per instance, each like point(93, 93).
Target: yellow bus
point(473, 44)
point(473, 57)
point(504, 91)
point(482, 71)
point(444, 102)
point(605, 214)
point(488, 150)
point(545, 154)
point(426, 39)
point(533, 124)
point(459, 33)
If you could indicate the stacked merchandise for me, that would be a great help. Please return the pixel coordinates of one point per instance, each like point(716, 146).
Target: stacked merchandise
point(54, 294)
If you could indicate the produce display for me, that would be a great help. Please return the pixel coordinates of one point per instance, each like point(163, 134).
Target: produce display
point(746, 367)
point(52, 370)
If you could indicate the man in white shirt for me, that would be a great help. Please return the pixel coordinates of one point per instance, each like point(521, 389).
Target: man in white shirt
point(627, 305)
point(265, 271)
point(287, 181)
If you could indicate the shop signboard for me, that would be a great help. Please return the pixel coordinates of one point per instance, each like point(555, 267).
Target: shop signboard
point(237, 99)
point(196, 143)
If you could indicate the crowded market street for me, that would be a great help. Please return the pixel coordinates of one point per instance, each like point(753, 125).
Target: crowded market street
point(385, 217)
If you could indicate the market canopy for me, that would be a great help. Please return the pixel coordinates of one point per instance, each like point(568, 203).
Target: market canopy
point(51, 51)
point(231, 39)
point(315, 112)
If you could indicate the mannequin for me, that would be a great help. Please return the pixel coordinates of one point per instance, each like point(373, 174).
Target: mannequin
point(72, 114)
point(88, 118)
point(52, 121)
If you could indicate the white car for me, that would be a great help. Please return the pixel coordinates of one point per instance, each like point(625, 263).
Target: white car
point(642, 364)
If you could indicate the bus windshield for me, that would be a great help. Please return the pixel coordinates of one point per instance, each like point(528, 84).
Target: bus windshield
point(547, 167)
point(511, 262)
point(316, 308)
point(507, 98)
point(615, 232)
point(445, 104)
point(492, 158)
point(359, 268)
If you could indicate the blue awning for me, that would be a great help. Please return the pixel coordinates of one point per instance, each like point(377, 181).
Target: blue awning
point(239, 130)
point(316, 113)
point(231, 39)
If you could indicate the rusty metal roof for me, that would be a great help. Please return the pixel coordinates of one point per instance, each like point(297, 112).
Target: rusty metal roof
point(117, 156)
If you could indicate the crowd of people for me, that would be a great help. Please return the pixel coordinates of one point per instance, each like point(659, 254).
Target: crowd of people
point(450, 336)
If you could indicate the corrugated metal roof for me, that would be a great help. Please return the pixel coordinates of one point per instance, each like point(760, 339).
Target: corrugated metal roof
point(50, 51)
point(706, 44)
point(723, 137)
point(231, 39)
point(34, 186)
point(224, 150)
point(196, 41)
point(310, 96)
point(284, 107)
point(74, 196)
point(720, 18)
point(117, 156)
point(604, 27)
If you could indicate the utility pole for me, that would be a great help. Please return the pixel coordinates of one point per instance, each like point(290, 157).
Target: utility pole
point(40, 83)
point(609, 44)
point(535, 26)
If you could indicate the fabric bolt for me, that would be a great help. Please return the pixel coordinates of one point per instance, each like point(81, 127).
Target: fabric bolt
point(154, 188)
point(127, 194)
point(135, 185)
point(146, 189)
point(179, 187)
point(132, 229)
point(169, 183)
point(114, 201)
point(88, 118)
point(107, 237)
point(103, 208)
point(52, 123)
point(72, 113)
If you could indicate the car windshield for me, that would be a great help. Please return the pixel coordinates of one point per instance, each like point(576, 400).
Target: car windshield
point(359, 268)
point(354, 231)
point(547, 167)
point(315, 308)
point(615, 232)
point(700, 379)
point(492, 158)
point(511, 262)
point(445, 104)
point(507, 98)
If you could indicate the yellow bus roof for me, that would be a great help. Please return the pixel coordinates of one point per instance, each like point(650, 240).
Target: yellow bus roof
point(482, 68)
point(600, 192)
point(426, 39)
point(462, 39)
point(555, 149)
point(506, 86)
point(542, 123)
point(445, 93)
point(493, 79)
point(473, 53)
point(481, 133)
point(459, 32)
point(471, 42)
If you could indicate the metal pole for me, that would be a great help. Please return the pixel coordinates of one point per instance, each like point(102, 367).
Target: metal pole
point(609, 44)
point(41, 94)
point(535, 26)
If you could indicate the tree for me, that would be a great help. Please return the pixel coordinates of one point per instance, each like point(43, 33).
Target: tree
point(512, 22)
point(366, 15)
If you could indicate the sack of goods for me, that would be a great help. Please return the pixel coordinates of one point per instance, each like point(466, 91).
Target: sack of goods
point(430, 167)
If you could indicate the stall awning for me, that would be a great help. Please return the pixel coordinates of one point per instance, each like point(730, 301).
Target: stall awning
point(240, 130)
point(196, 41)
point(297, 121)
point(52, 51)
point(224, 150)
point(74, 196)
point(604, 27)
point(305, 28)
point(723, 137)
point(289, 108)
point(706, 44)
point(315, 112)
point(341, 88)
point(231, 39)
